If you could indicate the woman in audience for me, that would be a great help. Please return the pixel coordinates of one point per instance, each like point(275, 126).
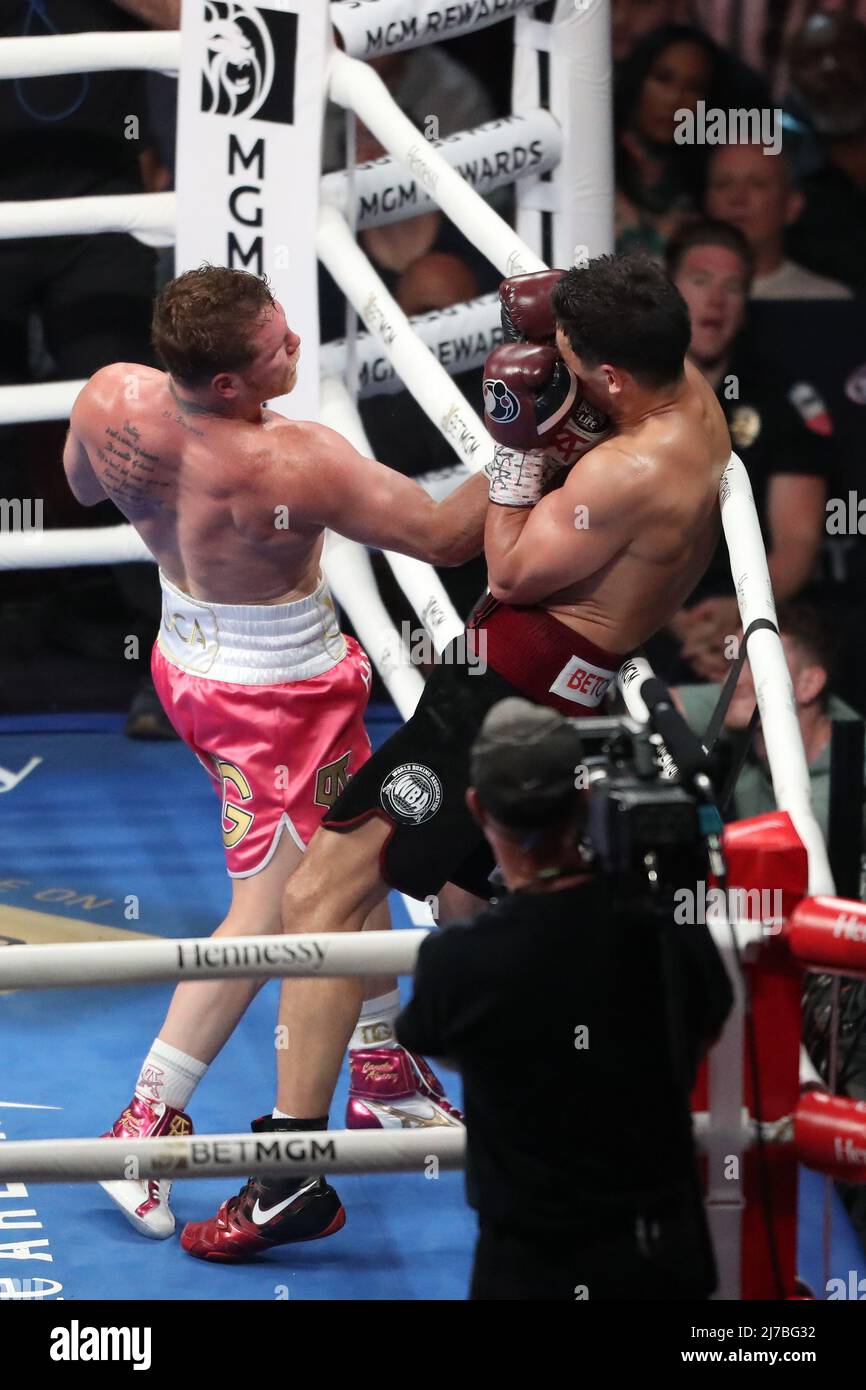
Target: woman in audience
point(659, 182)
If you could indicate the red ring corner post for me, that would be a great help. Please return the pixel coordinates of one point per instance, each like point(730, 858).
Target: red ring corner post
point(767, 883)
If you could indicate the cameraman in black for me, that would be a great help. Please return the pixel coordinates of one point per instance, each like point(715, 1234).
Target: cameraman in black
point(578, 1025)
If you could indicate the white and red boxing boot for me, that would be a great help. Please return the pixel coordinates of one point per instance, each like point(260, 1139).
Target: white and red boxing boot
point(145, 1202)
point(391, 1088)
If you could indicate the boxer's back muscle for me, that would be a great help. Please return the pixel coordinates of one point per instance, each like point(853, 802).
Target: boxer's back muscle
point(199, 488)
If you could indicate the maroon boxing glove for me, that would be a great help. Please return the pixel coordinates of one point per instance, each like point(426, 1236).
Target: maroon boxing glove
point(532, 401)
point(527, 308)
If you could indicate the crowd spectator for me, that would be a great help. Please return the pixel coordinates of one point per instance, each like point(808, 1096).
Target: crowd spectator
point(757, 193)
point(787, 461)
point(828, 74)
point(659, 183)
point(758, 33)
point(808, 638)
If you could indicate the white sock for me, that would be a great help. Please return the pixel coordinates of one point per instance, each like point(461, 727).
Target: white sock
point(169, 1075)
point(375, 1026)
point(278, 1114)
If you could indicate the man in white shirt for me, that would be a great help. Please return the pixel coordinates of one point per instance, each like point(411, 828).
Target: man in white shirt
point(756, 192)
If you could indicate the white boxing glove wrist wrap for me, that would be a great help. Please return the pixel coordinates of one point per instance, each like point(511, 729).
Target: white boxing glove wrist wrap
point(518, 478)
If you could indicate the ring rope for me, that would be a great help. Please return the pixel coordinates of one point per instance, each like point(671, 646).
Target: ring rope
point(232, 1155)
point(322, 955)
point(353, 584)
point(461, 338)
point(786, 756)
point(368, 28)
point(149, 217)
point(325, 955)
point(487, 157)
point(239, 1155)
point(383, 195)
point(397, 25)
point(55, 55)
point(425, 379)
point(419, 582)
point(91, 545)
point(354, 85)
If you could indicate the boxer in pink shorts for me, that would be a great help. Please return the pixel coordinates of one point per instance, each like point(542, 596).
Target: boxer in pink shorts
point(250, 663)
point(220, 694)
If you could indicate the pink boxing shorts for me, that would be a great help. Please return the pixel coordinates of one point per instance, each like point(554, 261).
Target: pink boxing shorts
point(271, 699)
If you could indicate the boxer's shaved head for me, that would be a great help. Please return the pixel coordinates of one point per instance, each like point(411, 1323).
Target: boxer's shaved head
point(205, 321)
point(624, 311)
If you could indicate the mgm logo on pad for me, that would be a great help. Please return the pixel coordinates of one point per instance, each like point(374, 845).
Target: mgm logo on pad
point(249, 59)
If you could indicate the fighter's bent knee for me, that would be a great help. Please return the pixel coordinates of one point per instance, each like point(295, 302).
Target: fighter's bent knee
point(337, 880)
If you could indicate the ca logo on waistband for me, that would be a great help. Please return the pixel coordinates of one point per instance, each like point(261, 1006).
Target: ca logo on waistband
point(194, 637)
point(234, 816)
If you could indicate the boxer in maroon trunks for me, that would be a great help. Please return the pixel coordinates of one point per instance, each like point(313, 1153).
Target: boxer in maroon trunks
point(585, 562)
point(233, 500)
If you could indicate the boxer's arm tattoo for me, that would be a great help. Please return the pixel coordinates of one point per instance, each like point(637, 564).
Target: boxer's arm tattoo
point(128, 470)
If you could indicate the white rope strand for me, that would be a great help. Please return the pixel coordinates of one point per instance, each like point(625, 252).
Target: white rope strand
point(233, 1155)
point(461, 337)
point(323, 954)
point(44, 400)
point(50, 55)
point(419, 581)
point(428, 382)
point(368, 28)
point(353, 584)
point(487, 157)
point(352, 83)
point(351, 577)
point(149, 217)
point(91, 545)
point(785, 754)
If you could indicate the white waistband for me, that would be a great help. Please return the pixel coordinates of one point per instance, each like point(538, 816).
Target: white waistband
point(251, 643)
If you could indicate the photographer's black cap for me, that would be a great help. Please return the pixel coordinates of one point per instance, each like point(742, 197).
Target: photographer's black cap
point(523, 765)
